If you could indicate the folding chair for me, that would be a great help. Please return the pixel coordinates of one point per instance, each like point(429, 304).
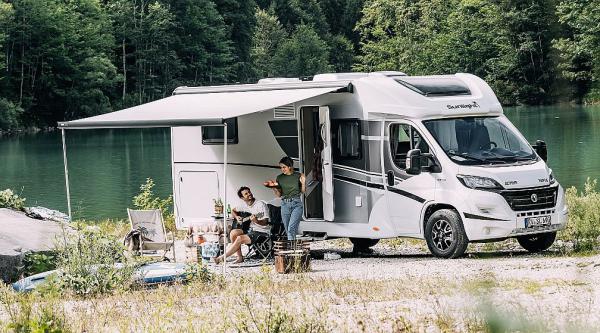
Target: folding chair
point(153, 236)
point(263, 249)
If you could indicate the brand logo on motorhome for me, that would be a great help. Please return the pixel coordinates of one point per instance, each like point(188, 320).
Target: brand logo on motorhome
point(463, 106)
point(534, 198)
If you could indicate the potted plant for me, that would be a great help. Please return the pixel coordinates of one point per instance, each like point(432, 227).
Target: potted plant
point(218, 206)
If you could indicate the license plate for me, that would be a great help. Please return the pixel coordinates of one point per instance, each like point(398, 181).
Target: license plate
point(538, 221)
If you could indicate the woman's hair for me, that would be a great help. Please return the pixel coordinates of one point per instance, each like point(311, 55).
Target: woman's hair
point(287, 161)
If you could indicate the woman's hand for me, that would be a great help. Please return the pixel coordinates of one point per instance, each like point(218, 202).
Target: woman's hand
point(270, 183)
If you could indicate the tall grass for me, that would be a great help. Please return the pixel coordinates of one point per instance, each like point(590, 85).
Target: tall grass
point(583, 228)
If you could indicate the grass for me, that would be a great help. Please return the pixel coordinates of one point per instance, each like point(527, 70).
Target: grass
point(268, 302)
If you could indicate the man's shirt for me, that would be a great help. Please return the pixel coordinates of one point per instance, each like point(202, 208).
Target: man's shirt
point(258, 209)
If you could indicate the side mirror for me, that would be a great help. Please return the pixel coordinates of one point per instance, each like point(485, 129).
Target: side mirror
point(413, 162)
point(541, 149)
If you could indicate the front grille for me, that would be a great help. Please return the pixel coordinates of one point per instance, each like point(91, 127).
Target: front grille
point(520, 200)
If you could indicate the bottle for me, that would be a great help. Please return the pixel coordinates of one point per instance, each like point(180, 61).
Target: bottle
point(228, 211)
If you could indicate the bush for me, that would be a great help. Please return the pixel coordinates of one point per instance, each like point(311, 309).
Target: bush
point(146, 199)
point(26, 314)
point(583, 228)
point(38, 262)
point(8, 199)
point(93, 263)
point(9, 115)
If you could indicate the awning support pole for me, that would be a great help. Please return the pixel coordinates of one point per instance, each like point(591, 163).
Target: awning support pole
point(62, 130)
point(225, 197)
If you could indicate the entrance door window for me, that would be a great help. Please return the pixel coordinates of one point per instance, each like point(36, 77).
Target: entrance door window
point(403, 138)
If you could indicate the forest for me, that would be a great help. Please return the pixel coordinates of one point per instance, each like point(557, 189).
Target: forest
point(67, 59)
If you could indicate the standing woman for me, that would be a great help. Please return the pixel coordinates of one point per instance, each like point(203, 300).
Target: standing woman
point(289, 185)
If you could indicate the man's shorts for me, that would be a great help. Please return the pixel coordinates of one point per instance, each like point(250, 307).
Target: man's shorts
point(257, 237)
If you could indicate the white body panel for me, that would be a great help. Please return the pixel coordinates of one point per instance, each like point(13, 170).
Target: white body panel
point(357, 201)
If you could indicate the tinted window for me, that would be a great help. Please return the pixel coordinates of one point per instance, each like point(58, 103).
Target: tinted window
point(213, 135)
point(403, 138)
point(346, 139)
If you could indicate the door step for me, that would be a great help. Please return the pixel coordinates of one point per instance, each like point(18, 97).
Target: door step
point(314, 236)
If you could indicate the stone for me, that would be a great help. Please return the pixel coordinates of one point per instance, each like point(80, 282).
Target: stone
point(20, 234)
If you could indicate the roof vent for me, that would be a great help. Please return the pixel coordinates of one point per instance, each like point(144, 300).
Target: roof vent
point(279, 80)
point(285, 112)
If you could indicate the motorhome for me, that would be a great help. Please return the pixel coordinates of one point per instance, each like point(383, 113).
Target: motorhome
point(385, 155)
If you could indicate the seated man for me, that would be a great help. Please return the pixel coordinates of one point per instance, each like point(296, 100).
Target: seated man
point(253, 213)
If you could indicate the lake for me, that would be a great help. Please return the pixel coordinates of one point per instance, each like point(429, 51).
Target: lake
point(107, 167)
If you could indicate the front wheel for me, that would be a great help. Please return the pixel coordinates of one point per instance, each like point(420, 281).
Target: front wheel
point(445, 234)
point(537, 242)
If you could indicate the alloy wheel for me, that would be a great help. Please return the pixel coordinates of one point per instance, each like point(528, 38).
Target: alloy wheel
point(443, 235)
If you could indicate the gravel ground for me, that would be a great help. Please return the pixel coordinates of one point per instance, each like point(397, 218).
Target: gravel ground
point(526, 292)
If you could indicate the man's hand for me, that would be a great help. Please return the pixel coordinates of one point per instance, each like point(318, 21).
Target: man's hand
point(253, 218)
point(239, 219)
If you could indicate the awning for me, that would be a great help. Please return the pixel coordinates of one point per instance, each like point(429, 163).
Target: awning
point(192, 109)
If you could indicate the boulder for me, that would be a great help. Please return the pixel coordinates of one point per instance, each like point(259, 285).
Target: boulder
point(20, 234)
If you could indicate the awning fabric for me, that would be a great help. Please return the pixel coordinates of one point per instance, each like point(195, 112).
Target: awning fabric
point(196, 109)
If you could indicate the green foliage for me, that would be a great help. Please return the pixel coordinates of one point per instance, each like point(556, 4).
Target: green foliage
point(147, 199)
point(506, 42)
point(583, 227)
point(198, 273)
point(10, 115)
point(91, 263)
point(26, 314)
point(579, 46)
point(39, 262)
point(303, 54)
point(8, 199)
point(268, 35)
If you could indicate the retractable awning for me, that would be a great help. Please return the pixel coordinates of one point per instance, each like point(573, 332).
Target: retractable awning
point(192, 109)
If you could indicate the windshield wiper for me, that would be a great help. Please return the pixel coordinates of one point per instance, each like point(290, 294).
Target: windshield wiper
point(468, 157)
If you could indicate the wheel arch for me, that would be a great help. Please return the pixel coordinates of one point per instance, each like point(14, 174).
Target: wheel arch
point(432, 208)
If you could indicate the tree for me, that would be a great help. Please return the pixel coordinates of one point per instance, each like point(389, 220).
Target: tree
point(580, 46)
point(268, 35)
point(293, 13)
point(239, 17)
point(202, 43)
point(303, 54)
point(57, 52)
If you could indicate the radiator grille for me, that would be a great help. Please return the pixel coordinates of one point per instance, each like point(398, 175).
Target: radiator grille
point(531, 199)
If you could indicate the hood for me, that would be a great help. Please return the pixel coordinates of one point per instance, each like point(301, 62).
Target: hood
point(512, 176)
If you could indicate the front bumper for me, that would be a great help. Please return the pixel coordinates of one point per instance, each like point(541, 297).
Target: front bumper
point(506, 223)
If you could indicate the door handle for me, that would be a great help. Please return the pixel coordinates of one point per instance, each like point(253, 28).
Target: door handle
point(390, 178)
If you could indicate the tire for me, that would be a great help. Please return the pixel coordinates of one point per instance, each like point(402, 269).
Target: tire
point(537, 242)
point(445, 234)
point(363, 243)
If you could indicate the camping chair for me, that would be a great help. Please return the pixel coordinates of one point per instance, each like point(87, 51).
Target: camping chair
point(153, 236)
point(264, 249)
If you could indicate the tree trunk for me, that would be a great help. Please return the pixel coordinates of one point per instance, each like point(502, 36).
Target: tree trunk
point(124, 72)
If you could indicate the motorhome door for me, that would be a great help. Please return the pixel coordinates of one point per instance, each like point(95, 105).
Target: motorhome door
point(406, 194)
point(316, 162)
point(326, 163)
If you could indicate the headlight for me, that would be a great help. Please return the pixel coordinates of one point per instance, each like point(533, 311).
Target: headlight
point(551, 178)
point(479, 182)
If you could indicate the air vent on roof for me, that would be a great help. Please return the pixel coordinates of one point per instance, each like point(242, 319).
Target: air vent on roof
point(435, 86)
point(284, 112)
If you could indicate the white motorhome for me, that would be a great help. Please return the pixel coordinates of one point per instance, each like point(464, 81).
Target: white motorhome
point(386, 155)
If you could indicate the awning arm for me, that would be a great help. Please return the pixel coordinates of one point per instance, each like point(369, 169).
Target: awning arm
point(226, 235)
point(64, 145)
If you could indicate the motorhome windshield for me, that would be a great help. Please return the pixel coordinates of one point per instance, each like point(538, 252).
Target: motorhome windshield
point(480, 140)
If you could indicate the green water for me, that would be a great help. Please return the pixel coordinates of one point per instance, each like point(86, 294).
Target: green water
point(106, 167)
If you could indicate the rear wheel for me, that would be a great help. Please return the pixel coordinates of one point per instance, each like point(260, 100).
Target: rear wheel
point(445, 234)
point(363, 244)
point(537, 242)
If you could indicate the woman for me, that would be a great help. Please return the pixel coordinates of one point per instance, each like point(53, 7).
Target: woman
point(288, 185)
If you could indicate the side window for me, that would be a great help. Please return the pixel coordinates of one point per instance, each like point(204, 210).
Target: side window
point(403, 138)
point(213, 135)
point(346, 139)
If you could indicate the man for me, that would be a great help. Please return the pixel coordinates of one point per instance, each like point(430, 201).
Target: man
point(253, 211)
